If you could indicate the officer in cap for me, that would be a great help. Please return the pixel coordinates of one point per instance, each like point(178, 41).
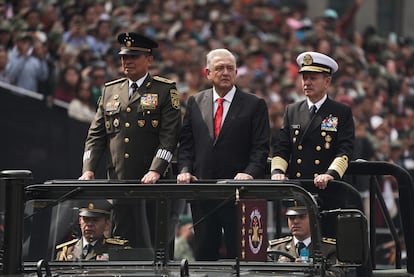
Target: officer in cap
point(300, 238)
point(94, 221)
point(138, 120)
point(318, 133)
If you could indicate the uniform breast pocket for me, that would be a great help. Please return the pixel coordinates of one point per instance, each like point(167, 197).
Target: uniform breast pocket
point(149, 119)
point(112, 121)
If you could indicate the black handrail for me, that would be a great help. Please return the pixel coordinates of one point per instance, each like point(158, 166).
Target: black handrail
point(405, 192)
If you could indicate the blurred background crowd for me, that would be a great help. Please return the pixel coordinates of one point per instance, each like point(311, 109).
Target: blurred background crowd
point(66, 50)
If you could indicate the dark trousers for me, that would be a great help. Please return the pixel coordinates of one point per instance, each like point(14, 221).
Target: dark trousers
point(209, 236)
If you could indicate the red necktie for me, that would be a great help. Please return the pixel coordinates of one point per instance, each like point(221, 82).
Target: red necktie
point(218, 117)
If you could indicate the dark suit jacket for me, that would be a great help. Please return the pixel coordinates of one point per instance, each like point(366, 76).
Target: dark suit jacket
point(310, 146)
point(242, 145)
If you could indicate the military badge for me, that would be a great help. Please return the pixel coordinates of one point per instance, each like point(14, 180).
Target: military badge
point(107, 124)
point(141, 123)
point(116, 122)
point(112, 106)
point(330, 123)
point(154, 123)
point(175, 101)
point(307, 60)
point(149, 101)
point(116, 97)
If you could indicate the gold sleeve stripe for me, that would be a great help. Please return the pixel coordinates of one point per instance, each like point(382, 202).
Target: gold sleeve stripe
point(339, 164)
point(279, 163)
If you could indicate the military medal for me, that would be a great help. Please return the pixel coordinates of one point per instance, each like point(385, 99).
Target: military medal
point(116, 122)
point(141, 123)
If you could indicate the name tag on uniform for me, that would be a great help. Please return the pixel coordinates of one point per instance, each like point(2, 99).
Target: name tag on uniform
point(149, 101)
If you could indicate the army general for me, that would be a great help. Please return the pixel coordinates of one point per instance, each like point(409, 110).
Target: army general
point(138, 120)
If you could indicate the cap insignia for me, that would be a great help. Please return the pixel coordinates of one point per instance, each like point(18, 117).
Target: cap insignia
point(90, 206)
point(307, 60)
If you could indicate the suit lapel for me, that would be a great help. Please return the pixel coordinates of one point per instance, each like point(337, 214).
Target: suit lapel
point(206, 106)
point(123, 94)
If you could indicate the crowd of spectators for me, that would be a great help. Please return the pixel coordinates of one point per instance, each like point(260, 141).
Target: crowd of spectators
point(62, 45)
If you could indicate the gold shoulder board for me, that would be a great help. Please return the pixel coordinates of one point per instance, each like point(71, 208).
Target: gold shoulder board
point(164, 80)
point(115, 82)
point(279, 240)
point(66, 243)
point(329, 240)
point(116, 241)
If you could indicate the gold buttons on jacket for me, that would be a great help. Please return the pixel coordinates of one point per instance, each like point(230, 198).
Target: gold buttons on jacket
point(127, 124)
point(298, 174)
point(300, 147)
point(296, 132)
point(128, 110)
point(318, 148)
point(299, 161)
point(126, 140)
point(317, 161)
point(315, 175)
point(126, 155)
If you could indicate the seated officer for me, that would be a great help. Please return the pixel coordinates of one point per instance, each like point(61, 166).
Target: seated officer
point(94, 221)
point(299, 227)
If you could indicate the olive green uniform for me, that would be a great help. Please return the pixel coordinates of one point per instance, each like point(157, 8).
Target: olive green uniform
point(73, 250)
point(141, 133)
point(328, 250)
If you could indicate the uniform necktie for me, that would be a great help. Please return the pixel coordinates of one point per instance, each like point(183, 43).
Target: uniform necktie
point(134, 88)
point(300, 245)
point(86, 249)
point(312, 110)
point(218, 117)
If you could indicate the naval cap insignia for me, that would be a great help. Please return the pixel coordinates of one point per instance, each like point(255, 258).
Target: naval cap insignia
point(307, 60)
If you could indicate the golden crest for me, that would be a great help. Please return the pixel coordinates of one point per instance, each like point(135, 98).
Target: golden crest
point(307, 60)
point(141, 123)
point(175, 101)
point(154, 123)
point(128, 43)
point(90, 206)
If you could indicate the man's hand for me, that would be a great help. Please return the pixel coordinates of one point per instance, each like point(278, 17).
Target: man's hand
point(279, 177)
point(243, 176)
point(151, 177)
point(87, 175)
point(185, 178)
point(321, 181)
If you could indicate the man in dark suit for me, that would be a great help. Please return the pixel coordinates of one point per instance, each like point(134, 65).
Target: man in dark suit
point(138, 122)
point(225, 135)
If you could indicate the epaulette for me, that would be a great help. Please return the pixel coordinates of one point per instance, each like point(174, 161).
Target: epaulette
point(279, 240)
point(329, 240)
point(116, 241)
point(115, 81)
point(164, 80)
point(66, 243)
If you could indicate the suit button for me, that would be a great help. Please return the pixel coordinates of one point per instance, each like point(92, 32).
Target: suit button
point(126, 155)
point(299, 161)
point(317, 161)
point(127, 124)
point(315, 175)
point(128, 110)
point(300, 147)
point(126, 140)
point(298, 174)
point(318, 148)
